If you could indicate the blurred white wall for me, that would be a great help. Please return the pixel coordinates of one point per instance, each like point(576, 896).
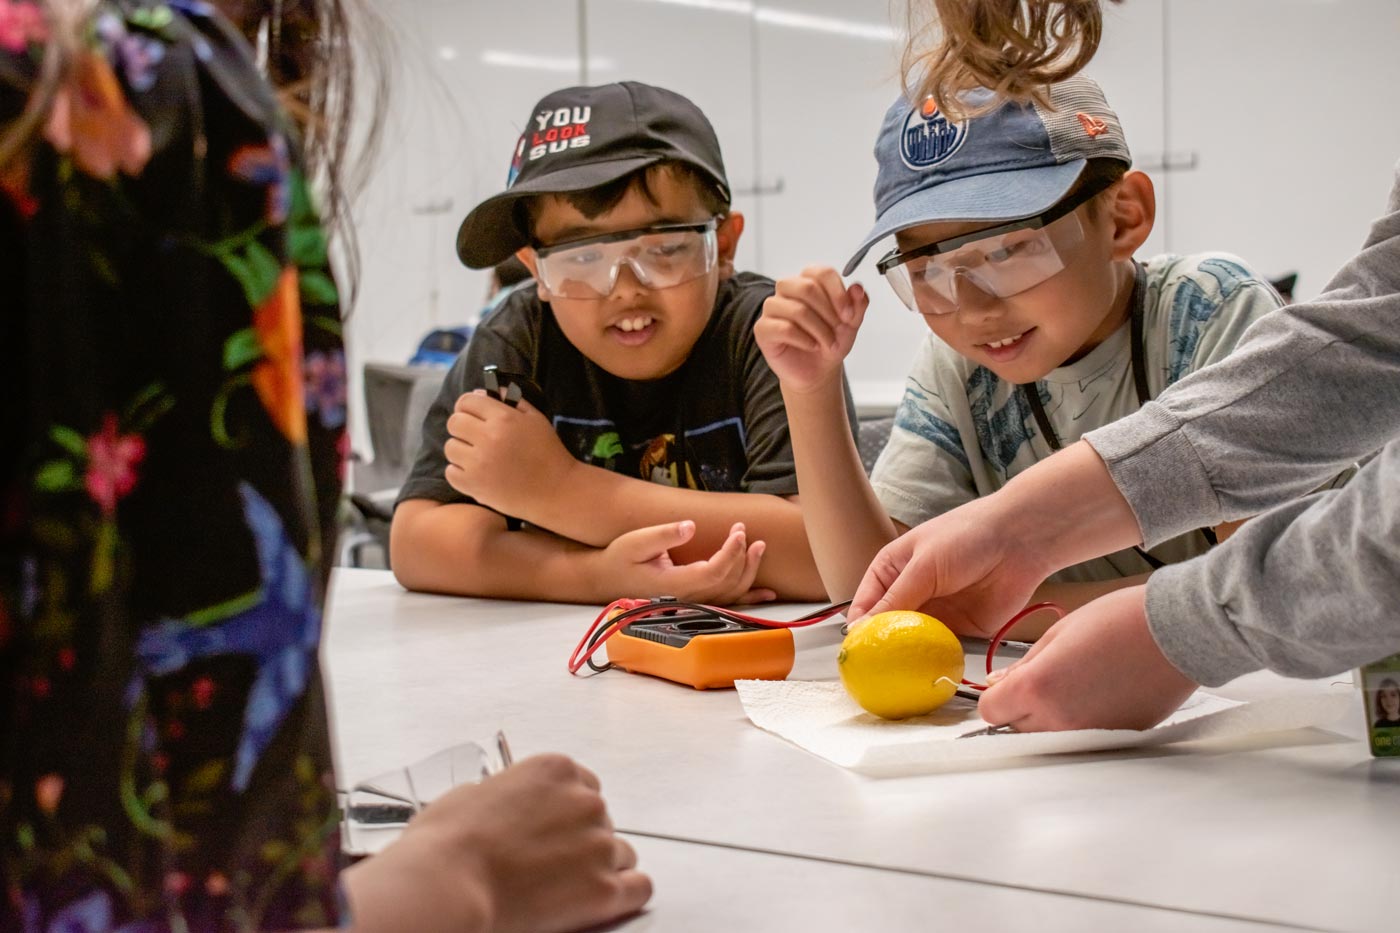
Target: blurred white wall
point(1269, 127)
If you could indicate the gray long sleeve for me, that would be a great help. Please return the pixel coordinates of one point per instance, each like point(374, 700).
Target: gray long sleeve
point(1310, 389)
point(1307, 590)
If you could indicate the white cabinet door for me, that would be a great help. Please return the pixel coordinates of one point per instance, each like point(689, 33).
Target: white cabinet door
point(700, 49)
point(1292, 106)
point(825, 80)
point(1128, 67)
point(462, 77)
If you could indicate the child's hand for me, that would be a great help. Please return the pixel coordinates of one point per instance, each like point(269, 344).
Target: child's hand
point(505, 458)
point(638, 564)
point(809, 326)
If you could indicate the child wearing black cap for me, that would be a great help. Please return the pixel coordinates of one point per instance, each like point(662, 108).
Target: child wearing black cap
point(644, 449)
point(1015, 232)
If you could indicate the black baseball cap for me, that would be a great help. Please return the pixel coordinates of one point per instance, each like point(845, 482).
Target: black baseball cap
point(585, 137)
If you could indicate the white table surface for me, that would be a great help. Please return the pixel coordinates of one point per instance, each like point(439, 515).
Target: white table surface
point(703, 889)
point(1300, 829)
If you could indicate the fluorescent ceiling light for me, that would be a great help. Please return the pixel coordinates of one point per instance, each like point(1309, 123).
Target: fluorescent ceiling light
point(543, 62)
point(793, 19)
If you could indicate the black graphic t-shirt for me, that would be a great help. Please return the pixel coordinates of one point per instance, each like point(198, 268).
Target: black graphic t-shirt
point(715, 424)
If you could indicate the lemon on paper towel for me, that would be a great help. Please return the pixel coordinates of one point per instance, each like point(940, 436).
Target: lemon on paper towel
point(900, 664)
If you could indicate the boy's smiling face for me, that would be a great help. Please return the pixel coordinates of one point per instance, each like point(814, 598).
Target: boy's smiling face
point(636, 332)
point(1023, 337)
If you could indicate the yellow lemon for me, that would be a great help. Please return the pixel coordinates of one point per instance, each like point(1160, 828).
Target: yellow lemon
point(900, 664)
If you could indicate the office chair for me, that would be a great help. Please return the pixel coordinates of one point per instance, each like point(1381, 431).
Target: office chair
point(397, 399)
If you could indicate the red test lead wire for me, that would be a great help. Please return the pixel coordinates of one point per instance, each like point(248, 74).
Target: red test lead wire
point(1000, 635)
point(618, 605)
point(624, 611)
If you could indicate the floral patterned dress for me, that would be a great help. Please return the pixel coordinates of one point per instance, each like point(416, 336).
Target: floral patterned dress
point(172, 415)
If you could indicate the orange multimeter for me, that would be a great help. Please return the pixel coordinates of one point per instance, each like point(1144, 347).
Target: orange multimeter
point(702, 650)
point(692, 643)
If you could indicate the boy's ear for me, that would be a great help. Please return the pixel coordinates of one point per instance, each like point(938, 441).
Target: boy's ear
point(1133, 211)
point(527, 256)
point(727, 234)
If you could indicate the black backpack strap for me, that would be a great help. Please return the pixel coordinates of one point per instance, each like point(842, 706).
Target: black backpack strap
point(1030, 391)
point(1138, 351)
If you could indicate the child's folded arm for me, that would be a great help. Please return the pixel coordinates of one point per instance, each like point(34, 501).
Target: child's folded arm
point(466, 550)
point(595, 506)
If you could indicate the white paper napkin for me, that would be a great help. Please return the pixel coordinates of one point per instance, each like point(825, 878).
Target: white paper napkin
point(820, 717)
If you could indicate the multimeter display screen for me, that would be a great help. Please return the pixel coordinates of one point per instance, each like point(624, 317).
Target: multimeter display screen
point(679, 629)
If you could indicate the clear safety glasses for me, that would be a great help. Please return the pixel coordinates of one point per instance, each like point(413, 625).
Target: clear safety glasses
point(1002, 261)
point(659, 257)
point(375, 810)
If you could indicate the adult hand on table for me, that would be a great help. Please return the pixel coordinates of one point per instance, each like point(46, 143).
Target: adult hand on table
point(1097, 668)
point(530, 849)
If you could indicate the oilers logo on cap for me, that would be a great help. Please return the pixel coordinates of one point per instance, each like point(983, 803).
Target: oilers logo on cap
point(929, 137)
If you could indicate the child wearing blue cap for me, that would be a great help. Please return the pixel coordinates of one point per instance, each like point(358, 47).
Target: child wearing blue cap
point(1015, 232)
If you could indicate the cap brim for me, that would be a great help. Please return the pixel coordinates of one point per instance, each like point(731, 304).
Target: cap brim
point(489, 233)
point(992, 196)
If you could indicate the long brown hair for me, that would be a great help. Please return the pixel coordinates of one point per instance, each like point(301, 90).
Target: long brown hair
point(1014, 47)
point(321, 56)
point(319, 73)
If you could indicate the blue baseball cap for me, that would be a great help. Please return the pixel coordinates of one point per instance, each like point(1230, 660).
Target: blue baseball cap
point(1014, 161)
